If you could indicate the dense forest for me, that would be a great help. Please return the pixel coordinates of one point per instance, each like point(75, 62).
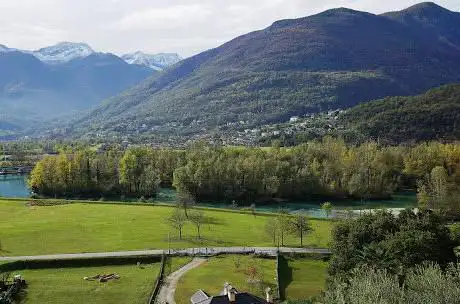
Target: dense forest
point(318, 169)
point(433, 115)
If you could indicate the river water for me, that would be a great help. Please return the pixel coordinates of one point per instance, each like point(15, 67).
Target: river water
point(16, 186)
point(13, 186)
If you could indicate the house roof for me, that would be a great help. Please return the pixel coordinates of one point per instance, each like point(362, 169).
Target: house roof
point(240, 298)
point(199, 296)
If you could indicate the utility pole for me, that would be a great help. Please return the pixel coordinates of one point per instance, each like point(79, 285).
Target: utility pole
point(278, 244)
point(169, 243)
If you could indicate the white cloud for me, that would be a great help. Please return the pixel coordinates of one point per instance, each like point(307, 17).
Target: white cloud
point(183, 26)
point(166, 17)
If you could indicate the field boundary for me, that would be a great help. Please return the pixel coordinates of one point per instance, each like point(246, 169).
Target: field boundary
point(278, 283)
point(75, 263)
point(158, 281)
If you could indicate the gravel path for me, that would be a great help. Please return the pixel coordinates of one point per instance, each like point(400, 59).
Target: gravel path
point(150, 253)
point(168, 289)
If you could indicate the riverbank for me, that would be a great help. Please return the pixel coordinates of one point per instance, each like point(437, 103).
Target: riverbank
point(15, 186)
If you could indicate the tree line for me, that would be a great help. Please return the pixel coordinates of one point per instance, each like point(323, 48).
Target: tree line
point(135, 173)
point(319, 169)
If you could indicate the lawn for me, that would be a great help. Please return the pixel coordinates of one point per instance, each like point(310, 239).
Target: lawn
point(175, 263)
point(75, 228)
point(302, 278)
point(66, 285)
point(215, 272)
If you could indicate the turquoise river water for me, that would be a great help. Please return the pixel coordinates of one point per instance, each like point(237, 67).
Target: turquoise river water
point(16, 186)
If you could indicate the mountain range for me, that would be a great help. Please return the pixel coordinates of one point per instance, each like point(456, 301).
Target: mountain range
point(67, 51)
point(336, 59)
point(59, 80)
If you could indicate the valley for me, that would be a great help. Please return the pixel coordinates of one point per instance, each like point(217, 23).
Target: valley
point(297, 154)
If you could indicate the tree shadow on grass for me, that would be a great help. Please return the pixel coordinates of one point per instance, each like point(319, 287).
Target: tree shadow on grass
point(285, 276)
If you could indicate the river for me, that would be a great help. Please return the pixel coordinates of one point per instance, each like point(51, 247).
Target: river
point(16, 186)
point(13, 186)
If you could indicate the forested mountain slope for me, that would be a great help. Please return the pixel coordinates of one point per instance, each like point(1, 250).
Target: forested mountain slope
point(335, 59)
point(433, 115)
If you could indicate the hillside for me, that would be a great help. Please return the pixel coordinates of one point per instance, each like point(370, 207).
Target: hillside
point(33, 90)
point(336, 59)
point(60, 80)
point(433, 115)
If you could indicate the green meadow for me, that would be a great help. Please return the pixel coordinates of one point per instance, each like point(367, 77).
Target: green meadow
point(302, 278)
point(66, 285)
point(88, 227)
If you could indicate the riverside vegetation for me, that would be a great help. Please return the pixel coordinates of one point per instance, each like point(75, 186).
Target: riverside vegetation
point(318, 169)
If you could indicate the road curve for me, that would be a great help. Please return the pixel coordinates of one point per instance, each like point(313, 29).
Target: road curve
point(168, 288)
point(150, 253)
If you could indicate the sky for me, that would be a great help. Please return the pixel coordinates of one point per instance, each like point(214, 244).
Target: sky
point(186, 27)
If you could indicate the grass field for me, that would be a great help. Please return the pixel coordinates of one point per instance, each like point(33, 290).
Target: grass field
point(302, 278)
point(74, 228)
point(66, 285)
point(214, 273)
point(175, 263)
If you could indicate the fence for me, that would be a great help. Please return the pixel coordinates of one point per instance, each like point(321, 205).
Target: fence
point(158, 281)
point(278, 283)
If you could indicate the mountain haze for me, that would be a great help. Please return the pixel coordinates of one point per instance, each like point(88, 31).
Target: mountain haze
point(59, 80)
point(335, 59)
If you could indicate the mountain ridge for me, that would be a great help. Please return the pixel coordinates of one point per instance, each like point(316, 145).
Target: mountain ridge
point(65, 51)
point(334, 59)
point(433, 115)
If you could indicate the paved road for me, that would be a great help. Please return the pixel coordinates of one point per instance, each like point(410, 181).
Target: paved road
point(168, 289)
point(159, 252)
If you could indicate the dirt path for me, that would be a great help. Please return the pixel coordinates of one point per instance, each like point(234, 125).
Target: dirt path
point(168, 289)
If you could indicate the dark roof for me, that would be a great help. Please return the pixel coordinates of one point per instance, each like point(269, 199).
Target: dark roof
point(199, 296)
point(240, 298)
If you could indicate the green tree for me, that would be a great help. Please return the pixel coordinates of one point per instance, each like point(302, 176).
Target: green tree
point(327, 207)
point(299, 226)
point(422, 284)
point(185, 200)
point(198, 219)
point(177, 220)
point(282, 224)
point(271, 228)
point(386, 241)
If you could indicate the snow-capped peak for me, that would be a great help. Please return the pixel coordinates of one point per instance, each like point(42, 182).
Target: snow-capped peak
point(156, 62)
point(63, 52)
point(5, 49)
